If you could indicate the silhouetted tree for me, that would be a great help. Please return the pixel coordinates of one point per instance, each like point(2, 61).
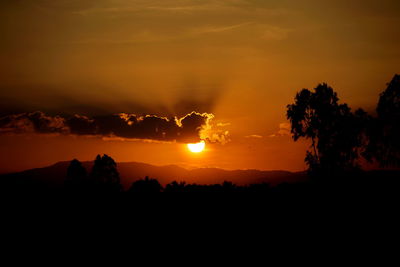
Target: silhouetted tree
point(76, 176)
point(385, 132)
point(145, 186)
point(335, 132)
point(105, 175)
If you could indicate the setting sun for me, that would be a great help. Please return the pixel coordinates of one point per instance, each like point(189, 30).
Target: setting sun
point(197, 147)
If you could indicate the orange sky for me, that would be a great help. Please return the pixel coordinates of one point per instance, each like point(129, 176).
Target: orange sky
point(241, 60)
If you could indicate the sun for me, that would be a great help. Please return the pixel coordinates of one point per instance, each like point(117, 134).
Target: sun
point(197, 147)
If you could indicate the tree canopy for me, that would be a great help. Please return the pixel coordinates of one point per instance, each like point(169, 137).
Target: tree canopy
point(336, 133)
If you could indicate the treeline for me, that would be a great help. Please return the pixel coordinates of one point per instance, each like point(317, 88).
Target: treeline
point(104, 179)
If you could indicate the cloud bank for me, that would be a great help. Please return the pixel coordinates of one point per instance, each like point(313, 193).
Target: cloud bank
point(284, 130)
point(190, 128)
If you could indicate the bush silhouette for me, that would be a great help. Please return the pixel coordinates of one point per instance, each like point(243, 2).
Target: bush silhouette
point(175, 187)
point(145, 186)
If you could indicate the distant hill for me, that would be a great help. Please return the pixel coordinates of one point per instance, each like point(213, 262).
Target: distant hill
point(54, 175)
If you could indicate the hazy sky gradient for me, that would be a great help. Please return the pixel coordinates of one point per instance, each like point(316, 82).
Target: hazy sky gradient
point(242, 60)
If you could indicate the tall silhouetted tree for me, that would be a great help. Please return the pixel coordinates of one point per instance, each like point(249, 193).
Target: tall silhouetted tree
point(335, 132)
point(105, 175)
point(385, 133)
point(76, 176)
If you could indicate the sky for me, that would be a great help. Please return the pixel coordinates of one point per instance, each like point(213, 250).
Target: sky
point(81, 77)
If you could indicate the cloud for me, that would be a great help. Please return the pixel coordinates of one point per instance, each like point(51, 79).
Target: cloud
point(269, 32)
point(218, 29)
point(223, 124)
point(160, 6)
point(254, 136)
point(284, 130)
point(214, 133)
point(192, 127)
point(34, 122)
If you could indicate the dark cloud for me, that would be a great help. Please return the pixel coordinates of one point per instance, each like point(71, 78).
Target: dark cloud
point(34, 122)
point(190, 128)
point(81, 125)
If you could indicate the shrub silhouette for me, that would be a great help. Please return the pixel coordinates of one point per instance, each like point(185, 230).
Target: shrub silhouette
point(175, 187)
point(145, 186)
point(225, 187)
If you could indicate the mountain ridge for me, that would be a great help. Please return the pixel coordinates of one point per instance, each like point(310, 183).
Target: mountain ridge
point(55, 174)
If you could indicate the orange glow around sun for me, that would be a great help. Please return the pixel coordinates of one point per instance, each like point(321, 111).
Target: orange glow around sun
point(197, 147)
